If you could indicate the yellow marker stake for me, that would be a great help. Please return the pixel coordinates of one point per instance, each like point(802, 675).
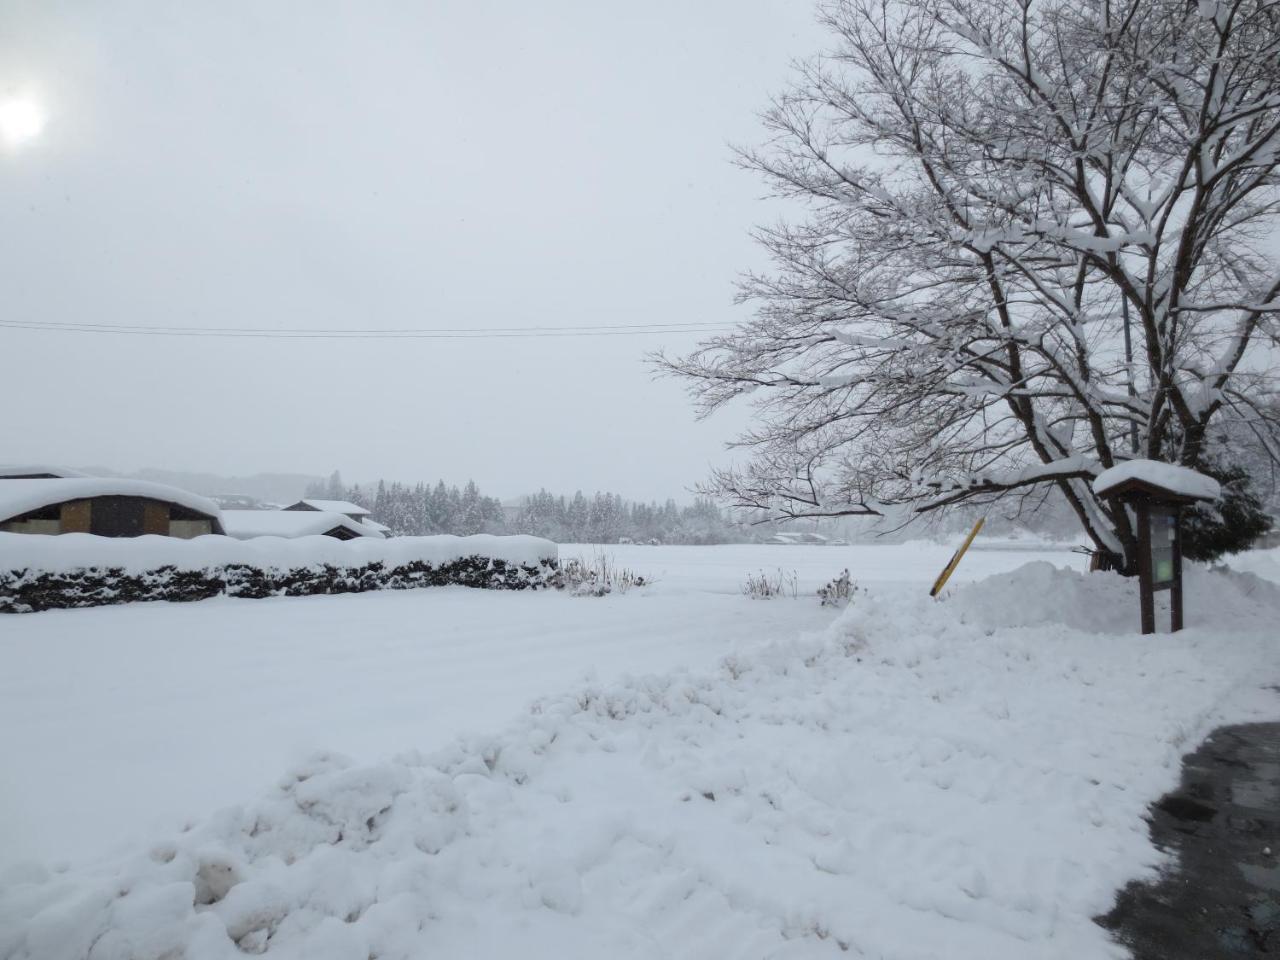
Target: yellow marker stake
point(954, 562)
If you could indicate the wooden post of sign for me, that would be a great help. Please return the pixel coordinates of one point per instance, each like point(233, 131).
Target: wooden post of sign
point(1147, 597)
point(1156, 493)
point(1175, 590)
point(954, 562)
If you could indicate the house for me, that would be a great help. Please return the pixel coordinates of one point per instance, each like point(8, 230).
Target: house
point(795, 537)
point(351, 510)
point(247, 524)
point(106, 506)
point(236, 501)
point(36, 472)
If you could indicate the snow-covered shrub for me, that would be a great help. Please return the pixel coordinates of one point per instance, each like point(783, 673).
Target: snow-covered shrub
point(595, 577)
point(838, 591)
point(204, 569)
point(765, 585)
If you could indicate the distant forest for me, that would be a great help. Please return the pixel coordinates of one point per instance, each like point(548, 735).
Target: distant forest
point(423, 509)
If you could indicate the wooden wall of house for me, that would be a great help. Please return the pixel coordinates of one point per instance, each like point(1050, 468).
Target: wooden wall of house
point(76, 516)
point(155, 518)
point(115, 516)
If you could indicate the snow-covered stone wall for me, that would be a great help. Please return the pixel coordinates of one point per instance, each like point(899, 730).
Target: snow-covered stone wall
point(80, 570)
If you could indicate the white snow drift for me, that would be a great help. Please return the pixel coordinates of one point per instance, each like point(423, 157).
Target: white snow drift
point(78, 551)
point(962, 779)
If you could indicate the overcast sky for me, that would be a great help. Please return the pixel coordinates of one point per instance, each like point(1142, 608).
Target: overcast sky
point(448, 164)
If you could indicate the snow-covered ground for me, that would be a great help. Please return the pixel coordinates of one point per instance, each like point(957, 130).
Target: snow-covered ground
point(174, 710)
point(169, 711)
point(912, 779)
point(907, 565)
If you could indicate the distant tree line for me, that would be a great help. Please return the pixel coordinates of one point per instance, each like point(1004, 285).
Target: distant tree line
point(607, 518)
point(421, 509)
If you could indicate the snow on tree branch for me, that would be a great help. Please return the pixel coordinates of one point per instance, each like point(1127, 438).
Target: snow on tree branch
point(995, 192)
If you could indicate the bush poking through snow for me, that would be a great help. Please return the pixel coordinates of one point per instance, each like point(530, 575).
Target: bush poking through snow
point(838, 591)
point(27, 591)
point(768, 585)
point(595, 577)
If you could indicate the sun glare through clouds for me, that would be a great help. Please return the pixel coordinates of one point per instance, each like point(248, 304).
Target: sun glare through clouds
point(21, 120)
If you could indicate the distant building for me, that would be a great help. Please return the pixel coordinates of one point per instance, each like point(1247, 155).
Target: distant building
point(793, 538)
point(105, 506)
point(236, 501)
point(248, 524)
point(352, 510)
point(37, 472)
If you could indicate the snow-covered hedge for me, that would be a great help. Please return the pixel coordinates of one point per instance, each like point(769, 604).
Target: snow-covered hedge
point(80, 570)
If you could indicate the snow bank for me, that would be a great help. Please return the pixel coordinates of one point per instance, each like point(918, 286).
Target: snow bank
point(1043, 595)
point(916, 782)
point(1180, 480)
point(78, 551)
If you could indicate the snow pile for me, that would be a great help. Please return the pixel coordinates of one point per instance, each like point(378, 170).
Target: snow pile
point(80, 551)
point(1264, 563)
point(1182, 481)
point(1042, 595)
point(911, 783)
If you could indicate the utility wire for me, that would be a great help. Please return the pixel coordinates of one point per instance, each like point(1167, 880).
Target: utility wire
point(320, 333)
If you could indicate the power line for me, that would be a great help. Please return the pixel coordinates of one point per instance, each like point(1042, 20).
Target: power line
point(408, 333)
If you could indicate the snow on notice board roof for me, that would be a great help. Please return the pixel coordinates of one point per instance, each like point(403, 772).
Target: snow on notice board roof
point(11, 470)
point(337, 506)
point(1182, 481)
point(246, 524)
point(22, 496)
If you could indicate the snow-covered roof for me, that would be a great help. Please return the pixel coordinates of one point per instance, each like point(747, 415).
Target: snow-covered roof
point(336, 506)
point(798, 536)
point(9, 471)
point(83, 551)
point(1181, 481)
point(23, 496)
point(380, 527)
point(246, 524)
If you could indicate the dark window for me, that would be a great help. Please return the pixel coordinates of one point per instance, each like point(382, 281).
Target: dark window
point(44, 513)
point(116, 517)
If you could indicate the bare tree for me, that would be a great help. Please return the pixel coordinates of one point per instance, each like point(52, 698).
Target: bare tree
point(1001, 195)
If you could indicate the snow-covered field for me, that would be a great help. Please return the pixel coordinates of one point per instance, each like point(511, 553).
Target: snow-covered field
point(907, 566)
point(173, 710)
point(910, 779)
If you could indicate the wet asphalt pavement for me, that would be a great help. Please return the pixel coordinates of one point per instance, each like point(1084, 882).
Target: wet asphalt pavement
point(1222, 898)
